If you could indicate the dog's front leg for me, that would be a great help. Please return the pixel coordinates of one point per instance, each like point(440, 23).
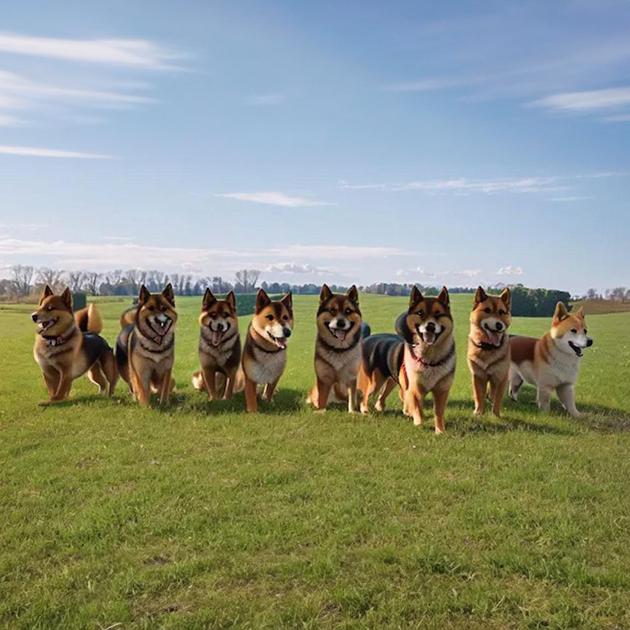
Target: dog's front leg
point(544, 397)
point(209, 377)
point(165, 388)
point(230, 378)
point(141, 384)
point(440, 398)
point(270, 389)
point(566, 394)
point(498, 392)
point(251, 401)
point(480, 387)
point(63, 389)
point(352, 397)
point(323, 391)
point(51, 378)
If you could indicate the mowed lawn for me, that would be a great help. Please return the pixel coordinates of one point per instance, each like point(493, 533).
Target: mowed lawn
point(200, 516)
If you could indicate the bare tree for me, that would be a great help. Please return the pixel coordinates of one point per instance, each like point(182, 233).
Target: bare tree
point(246, 280)
point(617, 294)
point(75, 280)
point(592, 294)
point(134, 277)
point(113, 277)
point(51, 277)
point(22, 278)
point(91, 280)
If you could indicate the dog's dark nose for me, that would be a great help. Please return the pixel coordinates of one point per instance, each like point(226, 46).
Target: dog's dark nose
point(341, 323)
point(499, 326)
point(431, 327)
point(34, 317)
point(219, 326)
point(589, 342)
point(287, 332)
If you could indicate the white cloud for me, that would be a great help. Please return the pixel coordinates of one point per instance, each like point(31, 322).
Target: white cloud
point(337, 252)
point(134, 53)
point(510, 270)
point(295, 268)
point(272, 198)
point(585, 101)
point(266, 99)
point(421, 272)
point(54, 153)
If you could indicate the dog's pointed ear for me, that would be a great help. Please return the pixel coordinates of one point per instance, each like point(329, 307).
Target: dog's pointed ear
point(444, 297)
point(580, 312)
point(560, 313)
point(506, 297)
point(325, 293)
point(169, 294)
point(208, 299)
point(287, 300)
point(231, 300)
point(353, 294)
point(66, 297)
point(480, 295)
point(47, 292)
point(144, 295)
point(415, 297)
point(262, 300)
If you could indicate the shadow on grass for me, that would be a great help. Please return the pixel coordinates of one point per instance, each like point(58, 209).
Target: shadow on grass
point(284, 401)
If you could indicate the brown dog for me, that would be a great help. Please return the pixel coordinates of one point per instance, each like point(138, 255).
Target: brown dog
point(489, 348)
point(219, 347)
point(145, 350)
point(64, 352)
point(337, 347)
point(265, 349)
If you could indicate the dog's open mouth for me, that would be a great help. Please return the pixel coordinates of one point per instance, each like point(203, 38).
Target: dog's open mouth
point(216, 336)
point(428, 336)
point(162, 324)
point(281, 342)
point(493, 337)
point(43, 326)
point(576, 349)
point(339, 333)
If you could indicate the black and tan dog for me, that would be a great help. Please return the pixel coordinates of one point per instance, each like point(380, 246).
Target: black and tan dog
point(219, 348)
point(64, 352)
point(337, 348)
point(145, 350)
point(489, 348)
point(265, 349)
point(420, 358)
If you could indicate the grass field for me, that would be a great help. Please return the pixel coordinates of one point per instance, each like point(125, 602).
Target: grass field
point(198, 516)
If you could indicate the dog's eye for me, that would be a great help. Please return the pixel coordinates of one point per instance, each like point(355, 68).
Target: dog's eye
point(286, 317)
point(270, 317)
point(421, 313)
point(487, 310)
point(585, 331)
point(213, 315)
point(226, 314)
point(348, 311)
point(151, 308)
point(502, 313)
point(49, 308)
point(574, 331)
point(438, 315)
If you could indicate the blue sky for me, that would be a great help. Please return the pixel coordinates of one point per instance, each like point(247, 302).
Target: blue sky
point(450, 143)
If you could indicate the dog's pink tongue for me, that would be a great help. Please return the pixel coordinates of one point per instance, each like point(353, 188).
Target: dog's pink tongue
point(341, 335)
point(493, 338)
point(216, 337)
point(429, 338)
point(281, 341)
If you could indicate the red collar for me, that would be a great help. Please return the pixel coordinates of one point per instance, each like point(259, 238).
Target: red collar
point(58, 341)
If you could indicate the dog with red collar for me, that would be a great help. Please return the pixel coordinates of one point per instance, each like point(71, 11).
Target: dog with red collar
point(64, 351)
point(420, 358)
point(145, 349)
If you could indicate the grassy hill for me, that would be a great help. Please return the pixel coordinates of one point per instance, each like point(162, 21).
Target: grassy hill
point(200, 516)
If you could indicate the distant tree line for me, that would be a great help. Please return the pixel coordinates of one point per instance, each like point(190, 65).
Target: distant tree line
point(535, 302)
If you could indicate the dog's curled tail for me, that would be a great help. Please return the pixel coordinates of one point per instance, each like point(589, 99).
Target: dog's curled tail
point(197, 380)
point(128, 317)
point(89, 319)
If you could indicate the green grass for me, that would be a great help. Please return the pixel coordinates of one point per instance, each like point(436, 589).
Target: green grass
point(199, 516)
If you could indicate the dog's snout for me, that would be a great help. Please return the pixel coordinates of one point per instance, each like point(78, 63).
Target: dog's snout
point(287, 332)
point(34, 317)
point(499, 326)
point(219, 326)
point(589, 342)
point(431, 327)
point(341, 323)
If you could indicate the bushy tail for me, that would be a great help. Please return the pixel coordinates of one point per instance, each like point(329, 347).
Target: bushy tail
point(89, 319)
point(239, 384)
point(197, 380)
point(128, 317)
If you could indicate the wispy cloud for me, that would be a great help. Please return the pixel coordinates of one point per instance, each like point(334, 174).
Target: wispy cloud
point(295, 268)
point(7, 120)
point(337, 252)
point(421, 273)
point(266, 99)
point(274, 198)
point(134, 53)
point(585, 101)
point(510, 270)
point(52, 153)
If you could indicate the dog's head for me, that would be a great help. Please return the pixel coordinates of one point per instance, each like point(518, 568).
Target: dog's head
point(338, 316)
point(491, 316)
point(428, 320)
point(156, 314)
point(218, 316)
point(568, 330)
point(273, 320)
point(54, 314)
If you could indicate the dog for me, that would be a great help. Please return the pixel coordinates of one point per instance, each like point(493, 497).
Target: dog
point(337, 348)
point(489, 348)
point(553, 361)
point(265, 348)
point(219, 348)
point(420, 358)
point(64, 352)
point(145, 350)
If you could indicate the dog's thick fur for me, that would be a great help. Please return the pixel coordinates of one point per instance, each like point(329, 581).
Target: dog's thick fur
point(489, 348)
point(64, 351)
point(145, 350)
point(219, 348)
point(265, 349)
point(553, 361)
point(420, 358)
point(337, 347)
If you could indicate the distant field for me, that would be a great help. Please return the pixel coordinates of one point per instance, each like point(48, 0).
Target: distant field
point(601, 307)
point(199, 516)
